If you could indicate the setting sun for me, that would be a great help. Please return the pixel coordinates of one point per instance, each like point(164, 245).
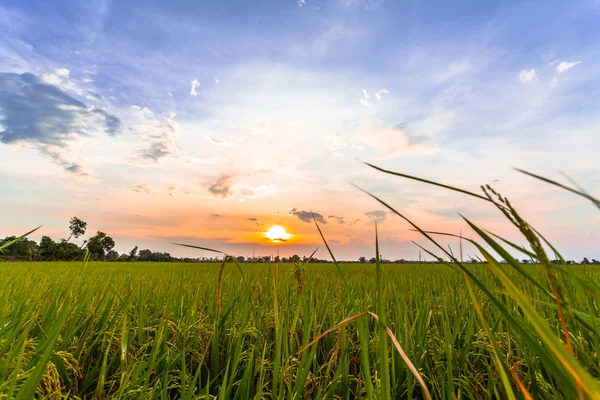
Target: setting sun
point(277, 234)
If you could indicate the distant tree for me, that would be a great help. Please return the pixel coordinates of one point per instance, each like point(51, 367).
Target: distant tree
point(362, 259)
point(145, 255)
point(77, 228)
point(373, 260)
point(47, 248)
point(585, 261)
point(295, 258)
point(133, 253)
point(67, 251)
point(241, 258)
point(594, 261)
point(100, 244)
point(24, 249)
point(525, 261)
point(112, 255)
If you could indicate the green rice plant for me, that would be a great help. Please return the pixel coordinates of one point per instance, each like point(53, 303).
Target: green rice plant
point(447, 330)
point(560, 355)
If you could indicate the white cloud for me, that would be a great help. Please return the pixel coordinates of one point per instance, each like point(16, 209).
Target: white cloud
point(380, 92)
point(194, 85)
point(392, 141)
point(366, 96)
point(61, 77)
point(528, 76)
point(565, 65)
point(252, 192)
point(217, 80)
point(301, 3)
point(553, 82)
point(158, 132)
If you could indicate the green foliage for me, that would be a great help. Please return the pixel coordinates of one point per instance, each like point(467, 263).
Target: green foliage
point(100, 245)
point(136, 330)
point(77, 228)
point(24, 249)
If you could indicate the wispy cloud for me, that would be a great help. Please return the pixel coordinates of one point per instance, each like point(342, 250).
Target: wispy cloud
point(528, 76)
point(61, 78)
point(142, 188)
point(221, 187)
point(193, 86)
point(159, 133)
point(340, 220)
point(307, 216)
point(565, 65)
point(393, 141)
point(376, 215)
point(49, 119)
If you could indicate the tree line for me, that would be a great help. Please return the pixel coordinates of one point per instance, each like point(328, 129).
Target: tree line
point(101, 248)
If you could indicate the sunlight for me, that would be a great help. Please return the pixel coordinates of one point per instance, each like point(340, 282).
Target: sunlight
point(277, 234)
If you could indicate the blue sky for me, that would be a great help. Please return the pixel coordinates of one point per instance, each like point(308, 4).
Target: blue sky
point(157, 121)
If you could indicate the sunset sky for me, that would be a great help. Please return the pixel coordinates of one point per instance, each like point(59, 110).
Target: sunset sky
point(207, 122)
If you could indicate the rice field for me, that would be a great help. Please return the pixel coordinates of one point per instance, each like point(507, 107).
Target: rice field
point(447, 330)
point(156, 330)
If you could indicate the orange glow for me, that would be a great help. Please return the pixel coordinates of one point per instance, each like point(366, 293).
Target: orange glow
point(277, 234)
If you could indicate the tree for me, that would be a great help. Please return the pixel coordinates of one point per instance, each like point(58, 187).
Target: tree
point(99, 245)
point(67, 251)
point(373, 260)
point(133, 253)
point(24, 249)
point(77, 228)
point(112, 255)
point(145, 255)
point(362, 259)
point(295, 258)
point(585, 261)
point(47, 248)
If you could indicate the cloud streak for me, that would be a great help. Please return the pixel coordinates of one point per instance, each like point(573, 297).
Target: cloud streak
point(565, 65)
point(47, 118)
point(159, 133)
point(221, 187)
point(340, 220)
point(142, 188)
point(307, 216)
point(376, 215)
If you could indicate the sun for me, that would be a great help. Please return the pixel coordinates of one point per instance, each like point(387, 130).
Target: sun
point(277, 234)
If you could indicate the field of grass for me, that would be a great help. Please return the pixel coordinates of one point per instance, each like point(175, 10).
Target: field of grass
point(157, 330)
point(450, 330)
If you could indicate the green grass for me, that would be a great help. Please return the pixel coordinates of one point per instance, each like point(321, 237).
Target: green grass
point(146, 330)
point(493, 330)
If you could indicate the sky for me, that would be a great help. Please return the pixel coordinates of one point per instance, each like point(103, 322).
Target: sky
point(208, 122)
